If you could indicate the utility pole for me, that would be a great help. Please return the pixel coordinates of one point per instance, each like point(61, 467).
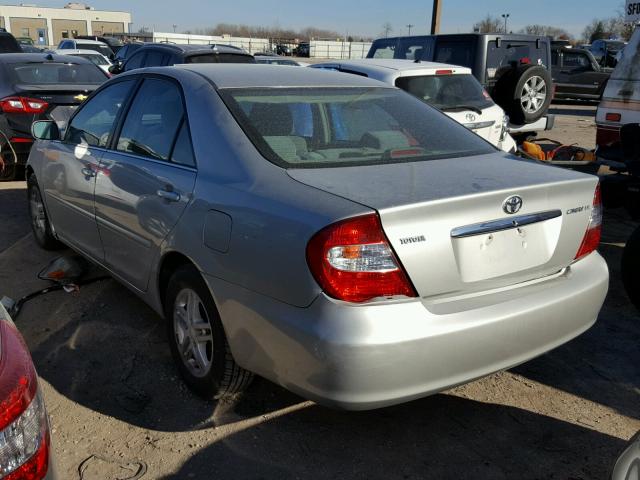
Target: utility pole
point(435, 17)
point(505, 16)
point(410, 26)
point(174, 27)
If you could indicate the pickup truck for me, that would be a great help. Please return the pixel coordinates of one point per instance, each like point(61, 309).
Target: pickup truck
point(577, 74)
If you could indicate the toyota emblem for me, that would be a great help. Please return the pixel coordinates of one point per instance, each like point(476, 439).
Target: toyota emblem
point(470, 117)
point(512, 205)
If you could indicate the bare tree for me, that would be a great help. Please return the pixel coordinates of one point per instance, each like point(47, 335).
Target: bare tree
point(489, 24)
point(548, 31)
point(387, 29)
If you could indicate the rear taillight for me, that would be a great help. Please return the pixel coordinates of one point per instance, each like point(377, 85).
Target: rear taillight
point(24, 431)
point(23, 105)
point(591, 238)
point(353, 261)
point(613, 117)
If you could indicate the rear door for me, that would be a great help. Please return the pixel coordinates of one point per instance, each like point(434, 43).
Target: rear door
point(145, 181)
point(69, 175)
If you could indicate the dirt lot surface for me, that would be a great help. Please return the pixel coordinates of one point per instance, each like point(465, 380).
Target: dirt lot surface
point(118, 409)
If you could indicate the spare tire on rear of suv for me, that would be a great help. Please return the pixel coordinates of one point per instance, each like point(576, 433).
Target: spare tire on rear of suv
point(524, 93)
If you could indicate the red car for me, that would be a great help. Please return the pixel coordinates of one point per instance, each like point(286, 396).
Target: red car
point(25, 446)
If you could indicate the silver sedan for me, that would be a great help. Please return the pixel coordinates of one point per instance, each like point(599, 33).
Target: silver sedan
point(328, 232)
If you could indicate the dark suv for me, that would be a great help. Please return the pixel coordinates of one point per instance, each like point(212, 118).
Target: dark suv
point(165, 54)
point(514, 69)
point(577, 74)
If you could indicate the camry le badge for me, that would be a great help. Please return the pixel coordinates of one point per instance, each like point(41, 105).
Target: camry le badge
point(512, 205)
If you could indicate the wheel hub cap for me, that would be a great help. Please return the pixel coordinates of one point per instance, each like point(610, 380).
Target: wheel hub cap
point(193, 332)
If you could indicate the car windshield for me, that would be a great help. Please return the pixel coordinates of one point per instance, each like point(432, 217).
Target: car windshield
point(56, 73)
point(447, 92)
point(95, 59)
point(329, 127)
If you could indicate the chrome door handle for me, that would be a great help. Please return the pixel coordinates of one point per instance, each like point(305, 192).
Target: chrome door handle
point(88, 172)
point(169, 196)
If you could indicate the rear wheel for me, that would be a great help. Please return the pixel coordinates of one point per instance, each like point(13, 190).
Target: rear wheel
point(40, 225)
point(631, 268)
point(197, 339)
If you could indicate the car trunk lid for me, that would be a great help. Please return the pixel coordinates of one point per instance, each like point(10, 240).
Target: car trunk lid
point(447, 223)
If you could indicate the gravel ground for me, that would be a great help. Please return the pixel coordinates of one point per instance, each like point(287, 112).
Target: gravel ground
point(118, 409)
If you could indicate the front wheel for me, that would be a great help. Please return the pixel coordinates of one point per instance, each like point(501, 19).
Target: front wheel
point(40, 225)
point(197, 339)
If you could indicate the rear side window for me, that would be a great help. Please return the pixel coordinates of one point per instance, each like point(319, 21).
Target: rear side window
point(456, 53)
point(406, 48)
point(153, 120)
point(135, 61)
point(183, 149)
point(93, 124)
point(156, 59)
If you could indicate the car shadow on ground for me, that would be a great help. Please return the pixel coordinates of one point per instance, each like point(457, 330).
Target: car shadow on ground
point(602, 365)
point(15, 221)
point(441, 437)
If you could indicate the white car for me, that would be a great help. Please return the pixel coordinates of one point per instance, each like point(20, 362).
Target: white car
point(450, 88)
point(97, 58)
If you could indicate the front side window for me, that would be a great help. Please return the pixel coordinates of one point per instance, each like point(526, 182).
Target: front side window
point(153, 120)
point(447, 92)
point(135, 61)
point(156, 59)
point(575, 60)
point(93, 124)
point(329, 127)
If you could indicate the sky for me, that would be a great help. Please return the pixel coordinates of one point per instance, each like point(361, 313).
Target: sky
point(355, 18)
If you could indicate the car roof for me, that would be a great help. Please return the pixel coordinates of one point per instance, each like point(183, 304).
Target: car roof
point(76, 51)
point(230, 75)
point(193, 49)
point(386, 64)
point(9, 58)
point(86, 41)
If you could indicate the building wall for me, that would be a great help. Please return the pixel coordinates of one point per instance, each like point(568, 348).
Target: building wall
point(118, 21)
point(67, 28)
point(100, 28)
point(27, 27)
point(1, 22)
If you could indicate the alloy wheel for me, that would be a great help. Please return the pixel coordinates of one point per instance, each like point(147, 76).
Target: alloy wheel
point(193, 333)
point(534, 94)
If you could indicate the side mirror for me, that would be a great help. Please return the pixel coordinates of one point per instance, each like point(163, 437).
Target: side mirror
point(45, 130)
point(116, 68)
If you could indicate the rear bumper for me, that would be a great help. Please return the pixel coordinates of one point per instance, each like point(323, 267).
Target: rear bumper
point(364, 357)
point(545, 123)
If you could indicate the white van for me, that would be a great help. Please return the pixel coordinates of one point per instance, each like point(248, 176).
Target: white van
point(620, 103)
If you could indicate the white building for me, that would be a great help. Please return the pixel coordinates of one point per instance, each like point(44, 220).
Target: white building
point(47, 26)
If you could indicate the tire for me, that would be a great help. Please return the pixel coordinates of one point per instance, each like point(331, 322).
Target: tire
point(208, 368)
point(631, 268)
point(40, 225)
point(514, 87)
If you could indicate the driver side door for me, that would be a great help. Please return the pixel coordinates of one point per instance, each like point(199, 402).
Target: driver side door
point(69, 174)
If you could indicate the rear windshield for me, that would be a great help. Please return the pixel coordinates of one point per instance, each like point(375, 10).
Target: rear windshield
point(447, 92)
point(103, 49)
point(406, 48)
point(516, 53)
point(220, 58)
point(56, 73)
point(95, 59)
point(329, 127)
